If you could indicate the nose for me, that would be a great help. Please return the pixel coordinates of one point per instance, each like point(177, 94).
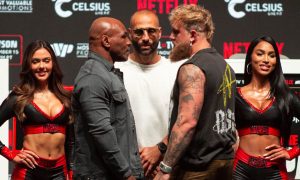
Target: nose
point(145, 36)
point(41, 65)
point(128, 42)
point(266, 59)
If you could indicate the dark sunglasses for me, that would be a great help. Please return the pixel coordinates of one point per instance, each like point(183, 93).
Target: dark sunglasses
point(140, 31)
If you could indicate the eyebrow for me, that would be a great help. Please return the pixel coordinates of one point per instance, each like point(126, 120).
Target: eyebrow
point(125, 34)
point(264, 50)
point(46, 58)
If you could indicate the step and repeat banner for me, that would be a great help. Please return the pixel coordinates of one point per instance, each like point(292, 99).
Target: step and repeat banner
point(65, 24)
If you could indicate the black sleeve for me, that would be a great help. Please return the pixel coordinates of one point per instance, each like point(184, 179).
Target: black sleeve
point(69, 146)
point(7, 111)
point(95, 107)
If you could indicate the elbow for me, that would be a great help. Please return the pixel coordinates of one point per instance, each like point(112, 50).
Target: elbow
point(189, 125)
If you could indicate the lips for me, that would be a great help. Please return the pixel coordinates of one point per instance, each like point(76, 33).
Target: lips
point(41, 73)
point(145, 46)
point(265, 67)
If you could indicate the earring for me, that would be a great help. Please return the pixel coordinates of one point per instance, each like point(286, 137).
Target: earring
point(248, 69)
point(191, 43)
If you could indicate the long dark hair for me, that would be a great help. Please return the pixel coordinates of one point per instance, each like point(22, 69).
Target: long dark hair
point(28, 84)
point(279, 88)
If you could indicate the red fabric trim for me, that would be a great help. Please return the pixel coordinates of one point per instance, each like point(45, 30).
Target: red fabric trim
point(19, 172)
point(260, 130)
point(294, 152)
point(45, 114)
point(257, 162)
point(283, 173)
point(260, 111)
point(51, 163)
point(70, 174)
point(45, 128)
point(9, 154)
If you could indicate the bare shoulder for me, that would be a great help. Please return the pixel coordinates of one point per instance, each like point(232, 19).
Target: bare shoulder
point(191, 76)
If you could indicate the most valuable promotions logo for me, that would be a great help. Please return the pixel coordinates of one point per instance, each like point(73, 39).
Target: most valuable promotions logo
point(82, 50)
point(238, 8)
point(15, 6)
point(11, 48)
point(162, 6)
point(62, 49)
point(65, 8)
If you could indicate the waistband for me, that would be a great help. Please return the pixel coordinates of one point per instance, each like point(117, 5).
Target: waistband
point(260, 130)
point(257, 162)
point(51, 163)
point(45, 128)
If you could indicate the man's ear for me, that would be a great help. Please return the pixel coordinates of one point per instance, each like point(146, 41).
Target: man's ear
point(130, 33)
point(105, 41)
point(193, 36)
point(159, 32)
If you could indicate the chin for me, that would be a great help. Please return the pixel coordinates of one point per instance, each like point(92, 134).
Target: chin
point(146, 52)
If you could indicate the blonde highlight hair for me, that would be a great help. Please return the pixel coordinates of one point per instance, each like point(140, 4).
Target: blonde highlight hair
point(194, 17)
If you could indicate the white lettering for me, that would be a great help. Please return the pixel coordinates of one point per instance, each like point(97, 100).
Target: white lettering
point(8, 44)
point(225, 121)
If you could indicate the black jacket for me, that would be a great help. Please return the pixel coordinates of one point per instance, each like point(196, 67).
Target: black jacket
point(105, 138)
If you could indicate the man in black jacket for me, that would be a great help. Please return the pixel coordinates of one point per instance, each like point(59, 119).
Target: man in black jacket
point(105, 138)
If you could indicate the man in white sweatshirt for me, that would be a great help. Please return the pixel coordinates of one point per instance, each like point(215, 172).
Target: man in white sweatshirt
point(149, 80)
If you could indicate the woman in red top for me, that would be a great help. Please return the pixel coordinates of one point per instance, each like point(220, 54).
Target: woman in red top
point(42, 106)
point(265, 107)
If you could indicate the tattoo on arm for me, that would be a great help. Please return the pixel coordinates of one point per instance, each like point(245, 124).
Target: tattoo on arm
point(191, 81)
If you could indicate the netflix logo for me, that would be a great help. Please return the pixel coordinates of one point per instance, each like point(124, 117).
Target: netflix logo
point(162, 6)
point(230, 48)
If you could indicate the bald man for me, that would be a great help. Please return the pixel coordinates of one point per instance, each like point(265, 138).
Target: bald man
point(106, 145)
point(148, 79)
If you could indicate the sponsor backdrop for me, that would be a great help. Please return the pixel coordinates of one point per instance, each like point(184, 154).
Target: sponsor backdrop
point(65, 24)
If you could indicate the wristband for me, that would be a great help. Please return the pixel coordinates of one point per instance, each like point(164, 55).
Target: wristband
point(165, 168)
point(9, 154)
point(162, 147)
point(294, 152)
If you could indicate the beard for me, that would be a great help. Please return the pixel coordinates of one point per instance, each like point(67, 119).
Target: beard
point(139, 50)
point(180, 52)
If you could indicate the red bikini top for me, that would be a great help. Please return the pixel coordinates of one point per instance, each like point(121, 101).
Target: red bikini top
point(251, 120)
point(38, 121)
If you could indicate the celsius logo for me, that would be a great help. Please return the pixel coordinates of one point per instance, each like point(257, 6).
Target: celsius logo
point(99, 8)
point(232, 11)
point(271, 9)
point(61, 49)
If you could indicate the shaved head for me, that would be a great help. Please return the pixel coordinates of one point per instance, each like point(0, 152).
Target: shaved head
point(108, 37)
point(145, 33)
point(144, 16)
point(103, 26)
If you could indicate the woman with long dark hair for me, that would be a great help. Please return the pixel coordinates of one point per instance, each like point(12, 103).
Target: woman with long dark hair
point(42, 106)
point(265, 107)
